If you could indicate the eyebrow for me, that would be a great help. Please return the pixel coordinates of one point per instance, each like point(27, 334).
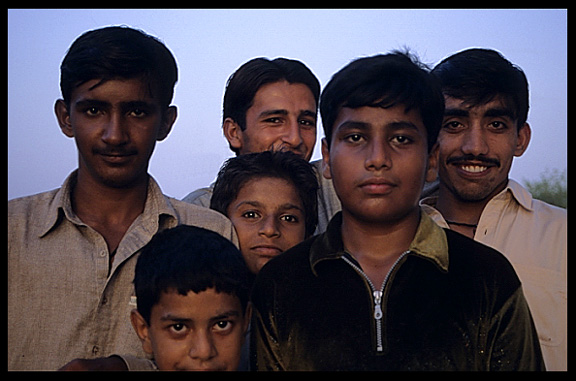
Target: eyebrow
point(125, 105)
point(266, 113)
point(491, 112)
point(286, 206)
point(220, 316)
point(363, 126)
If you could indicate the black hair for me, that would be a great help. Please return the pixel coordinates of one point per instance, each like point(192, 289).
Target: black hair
point(119, 52)
point(397, 78)
point(188, 258)
point(237, 171)
point(245, 82)
point(477, 76)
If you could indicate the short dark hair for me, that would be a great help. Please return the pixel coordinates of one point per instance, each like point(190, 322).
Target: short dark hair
point(477, 76)
point(237, 171)
point(189, 258)
point(119, 52)
point(384, 80)
point(248, 78)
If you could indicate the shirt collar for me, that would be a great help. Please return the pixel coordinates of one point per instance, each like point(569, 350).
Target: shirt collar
point(429, 242)
point(61, 205)
point(513, 190)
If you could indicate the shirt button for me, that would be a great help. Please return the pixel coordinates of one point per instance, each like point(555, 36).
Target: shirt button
point(95, 350)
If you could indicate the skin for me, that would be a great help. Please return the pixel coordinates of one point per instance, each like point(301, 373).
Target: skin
point(198, 331)
point(476, 148)
point(269, 218)
point(378, 162)
point(115, 125)
point(282, 117)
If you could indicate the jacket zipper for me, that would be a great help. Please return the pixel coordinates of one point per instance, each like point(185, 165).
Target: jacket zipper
point(377, 297)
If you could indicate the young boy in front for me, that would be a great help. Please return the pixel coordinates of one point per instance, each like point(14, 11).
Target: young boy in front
point(385, 288)
point(192, 288)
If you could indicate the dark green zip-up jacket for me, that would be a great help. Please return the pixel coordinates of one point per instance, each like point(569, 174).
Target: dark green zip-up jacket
point(449, 303)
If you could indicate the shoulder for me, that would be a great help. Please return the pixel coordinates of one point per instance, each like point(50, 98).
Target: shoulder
point(479, 263)
point(189, 214)
point(32, 214)
point(200, 196)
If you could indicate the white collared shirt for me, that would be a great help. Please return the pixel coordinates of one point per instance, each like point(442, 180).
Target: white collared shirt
point(533, 236)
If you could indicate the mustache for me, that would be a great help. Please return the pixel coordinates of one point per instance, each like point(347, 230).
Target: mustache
point(466, 158)
point(114, 151)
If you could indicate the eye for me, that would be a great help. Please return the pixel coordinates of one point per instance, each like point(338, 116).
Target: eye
point(453, 126)
point(250, 214)
point(92, 111)
point(353, 138)
point(222, 326)
point(178, 328)
point(402, 140)
point(138, 113)
point(290, 218)
point(498, 125)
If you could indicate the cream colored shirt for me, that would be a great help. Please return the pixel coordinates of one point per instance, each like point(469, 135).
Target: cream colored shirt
point(533, 236)
point(64, 301)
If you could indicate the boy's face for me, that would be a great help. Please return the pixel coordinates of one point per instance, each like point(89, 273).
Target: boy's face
point(116, 125)
point(203, 331)
point(378, 162)
point(476, 147)
point(269, 218)
point(282, 117)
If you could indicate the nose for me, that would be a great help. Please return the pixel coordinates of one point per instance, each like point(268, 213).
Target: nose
point(293, 135)
point(202, 347)
point(269, 227)
point(115, 130)
point(475, 142)
point(378, 156)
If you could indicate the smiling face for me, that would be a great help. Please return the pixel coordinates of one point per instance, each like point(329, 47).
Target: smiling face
point(282, 117)
point(196, 331)
point(116, 124)
point(476, 147)
point(378, 161)
point(269, 218)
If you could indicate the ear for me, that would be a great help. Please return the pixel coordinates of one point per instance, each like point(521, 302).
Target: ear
point(142, 330)
point(432, 168)
point(524, 135)
point(63, 117)
point(326, 171)
point(233, 133)
point(168, 120)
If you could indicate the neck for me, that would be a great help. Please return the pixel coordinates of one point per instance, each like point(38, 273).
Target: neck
point(95, 202)
point(379, 242)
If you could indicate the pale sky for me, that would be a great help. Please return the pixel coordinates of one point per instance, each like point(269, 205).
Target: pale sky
point(209, 45)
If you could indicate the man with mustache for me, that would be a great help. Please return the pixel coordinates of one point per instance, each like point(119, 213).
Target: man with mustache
point(484, 128)
point(72, 250)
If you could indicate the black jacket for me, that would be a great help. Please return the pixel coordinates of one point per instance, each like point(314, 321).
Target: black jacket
point(449, 303)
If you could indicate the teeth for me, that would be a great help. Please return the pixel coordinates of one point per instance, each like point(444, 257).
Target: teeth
point(474, 168)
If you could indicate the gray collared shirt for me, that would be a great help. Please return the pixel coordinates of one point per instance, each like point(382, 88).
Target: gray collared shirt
point(64, 301)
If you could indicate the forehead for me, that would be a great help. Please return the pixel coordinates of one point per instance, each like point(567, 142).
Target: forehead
point(260, 188)
point(119, 89)
point(498, 106)
point(378, 117)
point(284, 95)
point(201, 306)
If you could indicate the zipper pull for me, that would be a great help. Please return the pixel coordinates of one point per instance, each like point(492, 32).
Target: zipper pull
point(377, 307)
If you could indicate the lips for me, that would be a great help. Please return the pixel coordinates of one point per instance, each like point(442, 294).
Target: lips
point(115, 157)
point(377, 186)
point(471, 165)
point(266, 250)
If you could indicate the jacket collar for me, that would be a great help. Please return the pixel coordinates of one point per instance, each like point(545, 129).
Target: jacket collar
point(61, 205)
point(429, 242)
